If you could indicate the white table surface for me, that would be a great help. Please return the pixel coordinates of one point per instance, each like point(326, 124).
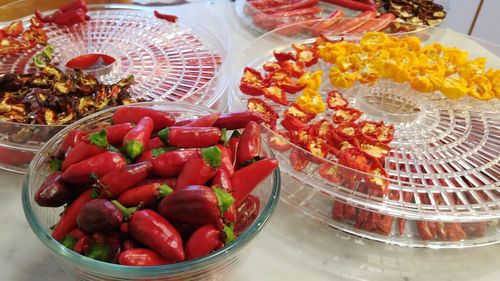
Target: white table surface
point(290, 247)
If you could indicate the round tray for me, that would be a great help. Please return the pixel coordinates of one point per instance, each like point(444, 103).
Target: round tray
point(442, 148)
point(172, 62)
point(240, 7)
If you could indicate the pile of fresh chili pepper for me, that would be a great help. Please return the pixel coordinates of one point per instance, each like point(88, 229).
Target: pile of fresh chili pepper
point(15, 39)
point(149, 190)
point(72, 13)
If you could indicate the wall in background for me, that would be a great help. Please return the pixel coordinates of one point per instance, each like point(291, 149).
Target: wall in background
point(486, 26)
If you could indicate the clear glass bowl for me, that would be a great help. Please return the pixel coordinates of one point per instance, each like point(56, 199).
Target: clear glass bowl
point(216, 265)
point(442, 148)
point(185, 61)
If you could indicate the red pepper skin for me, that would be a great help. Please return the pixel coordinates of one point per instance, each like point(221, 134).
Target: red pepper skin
point(68, 218)
point(246, 213)
point(71, 139)
point(294, 5)
point(83, 244)
point(276, 94)
point(35, 23)
point(171, 182)
point(278, 143)
point(381, 23)
point(14, 29)
point(226, 162)
point(330, 20)
point(282, 56)
point(246, 179)
point(147, 155)
point(238, 120)
point(73, 5)
point(99, 165)
point(205, 121)
point(351, 115)
point(182, 122)
point(129, 244)
point(202, 242)
point(252, 83)
point(169, 18)
point(330, 172)
point(135, 113)
point(345, 26)
point(298, 159)
point(196, 171)
point(152, 230)
point(121, 179)
point(192, 137)
point(195, 204)
point(233, 146)
point(147, 195)
point(99, 215)
point(47, 19)
point(250, 143)
point(137, 139)
point(79, 153)
point(351, 4)
point(292, 123)
point(115, 133)
point(141, 257)
point(223, 180)
point(335, 100)
point(269, 114)
point(53, 192)
point(70, 17)
point(155, 143)
point(170, 164)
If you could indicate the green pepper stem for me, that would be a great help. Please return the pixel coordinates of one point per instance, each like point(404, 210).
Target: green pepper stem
point(100, 252)
point(133, 148)
point(69, 242)
point(164, 190)
point(212, 155)
point(126, 211)
point(99, 139)
point(164, 135)
point(224, 199)
point(229, 234)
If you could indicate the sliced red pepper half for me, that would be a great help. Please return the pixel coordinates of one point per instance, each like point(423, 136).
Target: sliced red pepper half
point(271, 66)
point(321, 129)
point(277, 76)
point(375, 150)
point(346, 130)
point(290, 87)
point(317, 148)
point(308, 57)
point(10, 46)
point(292, 123)
point(283, 56)
point(378, 180)
point(299, 47)
point(330, 172)
point(298, 159)
point(300, 137)
point(14, 29)
point(335, 100)
point(260, 106)
point(251, 82)
point(295, 69)
point(295, 111)
point(342, 115)
point(322, 40)
point(353, 159)
point(35, 23)
point(276, 94)
point(39, 36)
point(278, 141)
point(375, 132)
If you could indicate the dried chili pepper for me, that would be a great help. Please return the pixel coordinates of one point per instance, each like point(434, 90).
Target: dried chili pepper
point(167, 17)
point(260, 106)
point(335, 100)
point(342, 115)
point(252, 83)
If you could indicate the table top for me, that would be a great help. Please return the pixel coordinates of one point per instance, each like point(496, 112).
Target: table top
point(290, 247)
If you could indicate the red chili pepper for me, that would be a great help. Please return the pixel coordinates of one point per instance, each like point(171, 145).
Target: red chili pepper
point(251, 82)
point(379, 24)
point(14, 29)
point(36, 23)
point(48, 18)
point(171, 182)
point(195, 204)
point(67, 222)
point(327, 22)
point(278, 142)
point(83, 244)
point(354, 159)
point(115, 133)
point(70, 17)
point(10, 46)
point(276, 94)
point(249, 147)
point(291, 6)
point(190, 137)
point(282, 56)
point(296, 112)
point(129, 244)
point(335, 100)
point(376, 151)
point(378, 180)
point(73, 5)
point(133, 114)
point(145, 195)
point(296, 69)
point(291, 87)
point(200, 168)
point(81, 152)
point(203, 241)
point(246, 213)
point(71, 139)
point(35, 36)
point(53, 192)
point(223, 180)
point(155, 143)
point(301, 136)
point(321, 129)
point(271, 66)
point(308, 57)
point(269, 114)
point(346, 130)
point(205, 121)
point(99, 215)
point(374, 132)
point(246, 179)
point(298, 159)
point(292, 123)
point(238, 120)
point(351, 4)
point(88, 61)
point(170, 164)
point(233, 146)
point(137, 139)
point(167, 17)
point(344, 26)
point(98, 165)
point(342, 115)
point(141, 257)
point(121, 179)
point(330, 172)
point(152, 230)
point(317, 147)
point(227, 157)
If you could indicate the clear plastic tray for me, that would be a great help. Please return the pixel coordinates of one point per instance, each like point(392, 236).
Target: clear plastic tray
point(443, 148)
point(171, 62)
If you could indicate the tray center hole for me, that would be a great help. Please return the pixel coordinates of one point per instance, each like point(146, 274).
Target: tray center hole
point(90, 62)
point(393, 107)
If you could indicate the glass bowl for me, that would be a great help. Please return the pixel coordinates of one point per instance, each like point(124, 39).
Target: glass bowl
point(216, 265)
point(185, 61)
point(443, 168)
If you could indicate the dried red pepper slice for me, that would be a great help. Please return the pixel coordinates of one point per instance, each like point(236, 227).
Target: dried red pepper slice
point(317, 148)
point(321, 129)
point(301, 136)
point(346, 130)
point(291, 87)
point(35, 36)
point(251, 82)
point(283, 56)
point(322, 40)
point(335, 100)
point(295, 69)
point(271, 66)
point(330, 172)
point(299, 47)
point(260, 106)
point(10, 46)
point(296, 112)
point(36, 23)
point(342, 115)
point(278, 142)
point(14, 29)
point(378, 180)
point(375, 132)
point(276, 94)
point(308, 57)
point(375, 150)
point(277, 76)
point(298, 159)
point(354, 159)
point(292, 123)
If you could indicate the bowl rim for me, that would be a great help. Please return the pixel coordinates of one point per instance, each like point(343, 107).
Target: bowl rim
point(117, 270)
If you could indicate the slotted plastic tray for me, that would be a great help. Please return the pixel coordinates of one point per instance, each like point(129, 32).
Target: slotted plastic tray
point(447, 149)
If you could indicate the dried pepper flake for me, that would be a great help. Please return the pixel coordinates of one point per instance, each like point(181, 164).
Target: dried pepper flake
point(260, 106)
point(342, 115)
point(335, 100)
